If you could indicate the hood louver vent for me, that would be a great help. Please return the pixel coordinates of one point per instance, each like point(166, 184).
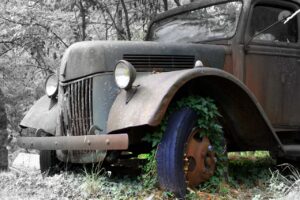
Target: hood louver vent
point(160, 62)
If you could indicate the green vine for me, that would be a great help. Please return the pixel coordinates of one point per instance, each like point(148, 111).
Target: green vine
point(208, 115)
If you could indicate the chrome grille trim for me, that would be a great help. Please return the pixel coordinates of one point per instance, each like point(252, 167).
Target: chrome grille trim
point(79, 108)
point(166, 62)
point(80, 116)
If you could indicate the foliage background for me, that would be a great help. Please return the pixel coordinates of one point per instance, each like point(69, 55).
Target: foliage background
point(34, 35)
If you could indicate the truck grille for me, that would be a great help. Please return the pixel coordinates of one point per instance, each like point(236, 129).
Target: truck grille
point(164, 62)
point(78, 107)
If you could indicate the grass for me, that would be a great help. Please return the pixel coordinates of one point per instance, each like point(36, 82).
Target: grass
point(92, 181)
point(249, 173)
point(250, 169)
point(253, 175)
point(285, 183)
point(249, 178)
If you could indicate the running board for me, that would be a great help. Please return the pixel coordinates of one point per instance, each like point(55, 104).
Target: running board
point(292, 150)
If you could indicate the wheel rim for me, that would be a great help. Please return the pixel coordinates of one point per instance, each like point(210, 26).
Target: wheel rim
point(199, 159)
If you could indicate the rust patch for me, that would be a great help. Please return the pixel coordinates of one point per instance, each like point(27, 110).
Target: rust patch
point(199, 159)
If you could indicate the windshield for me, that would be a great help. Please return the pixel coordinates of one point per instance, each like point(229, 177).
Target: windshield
point(209, 23)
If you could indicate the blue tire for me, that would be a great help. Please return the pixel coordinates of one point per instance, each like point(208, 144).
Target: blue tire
point(170, 152)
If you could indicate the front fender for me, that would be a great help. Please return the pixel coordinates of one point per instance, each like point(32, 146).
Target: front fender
point(42, 115)
point(148, 106)
point(155, 91)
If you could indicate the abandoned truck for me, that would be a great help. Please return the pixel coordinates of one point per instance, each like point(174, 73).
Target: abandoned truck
point(106, 96)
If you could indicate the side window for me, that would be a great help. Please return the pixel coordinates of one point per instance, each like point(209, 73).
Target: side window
point(263, 16)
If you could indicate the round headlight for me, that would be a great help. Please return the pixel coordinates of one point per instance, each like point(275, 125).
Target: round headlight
point(125, 74)
point(51, 85)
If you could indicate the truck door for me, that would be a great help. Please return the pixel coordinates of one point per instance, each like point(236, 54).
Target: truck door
point(272, 61)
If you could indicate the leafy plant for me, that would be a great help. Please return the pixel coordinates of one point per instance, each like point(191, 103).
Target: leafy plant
point(149, 170)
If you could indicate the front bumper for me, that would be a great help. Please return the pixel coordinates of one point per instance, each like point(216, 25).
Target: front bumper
point(87, 142)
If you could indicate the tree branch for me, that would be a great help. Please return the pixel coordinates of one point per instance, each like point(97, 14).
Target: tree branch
point(177, 2)
point(36, 24)
point(83, 22)
point(126, 19)
point(105, 8)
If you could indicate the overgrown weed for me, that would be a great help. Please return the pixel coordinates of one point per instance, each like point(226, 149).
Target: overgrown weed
point(285, 182)
point(246, 169)
point(208, 115)
point(92, 179)
point(102, 184)
point(249, 169)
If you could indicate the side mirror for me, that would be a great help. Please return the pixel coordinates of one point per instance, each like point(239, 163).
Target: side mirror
point(284, 15)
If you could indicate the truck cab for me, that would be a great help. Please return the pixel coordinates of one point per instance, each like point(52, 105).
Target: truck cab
point(106, 95)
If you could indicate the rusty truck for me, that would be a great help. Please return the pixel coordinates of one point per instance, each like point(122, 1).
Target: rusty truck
point(243, 54)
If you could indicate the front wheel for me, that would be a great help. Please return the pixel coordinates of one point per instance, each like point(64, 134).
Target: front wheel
point(184, 159)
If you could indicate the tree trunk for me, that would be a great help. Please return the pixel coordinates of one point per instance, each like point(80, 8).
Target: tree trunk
point(126, 20)
point(165, 5)
point(119, 25)
point(83, 21)
point(3, 135)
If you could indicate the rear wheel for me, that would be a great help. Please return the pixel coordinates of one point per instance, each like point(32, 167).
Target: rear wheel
point(183, 158)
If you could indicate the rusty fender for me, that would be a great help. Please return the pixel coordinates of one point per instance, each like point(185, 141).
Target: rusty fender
point(156, 91)
point(42, 115)
point(87, 142)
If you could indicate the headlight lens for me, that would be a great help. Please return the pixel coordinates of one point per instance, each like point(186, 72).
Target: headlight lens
point(51, 85)
point(125, 74)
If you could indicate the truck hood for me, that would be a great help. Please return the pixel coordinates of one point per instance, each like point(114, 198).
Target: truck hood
point(91, 57)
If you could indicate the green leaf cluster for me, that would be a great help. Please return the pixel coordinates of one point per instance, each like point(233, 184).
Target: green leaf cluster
point(210, 126)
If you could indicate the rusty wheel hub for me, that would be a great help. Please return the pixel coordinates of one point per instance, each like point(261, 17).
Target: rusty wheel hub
point(199, 159)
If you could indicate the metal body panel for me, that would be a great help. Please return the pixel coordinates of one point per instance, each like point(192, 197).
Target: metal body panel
point(105, 92)
point(272, 71)
point(272, 77)
point(156, 91)
point(41, 116)
point(87, 58)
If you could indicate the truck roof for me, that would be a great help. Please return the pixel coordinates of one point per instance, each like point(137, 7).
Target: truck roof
point(201, 3)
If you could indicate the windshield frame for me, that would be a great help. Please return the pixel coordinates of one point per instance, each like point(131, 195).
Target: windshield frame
point(192, 7)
